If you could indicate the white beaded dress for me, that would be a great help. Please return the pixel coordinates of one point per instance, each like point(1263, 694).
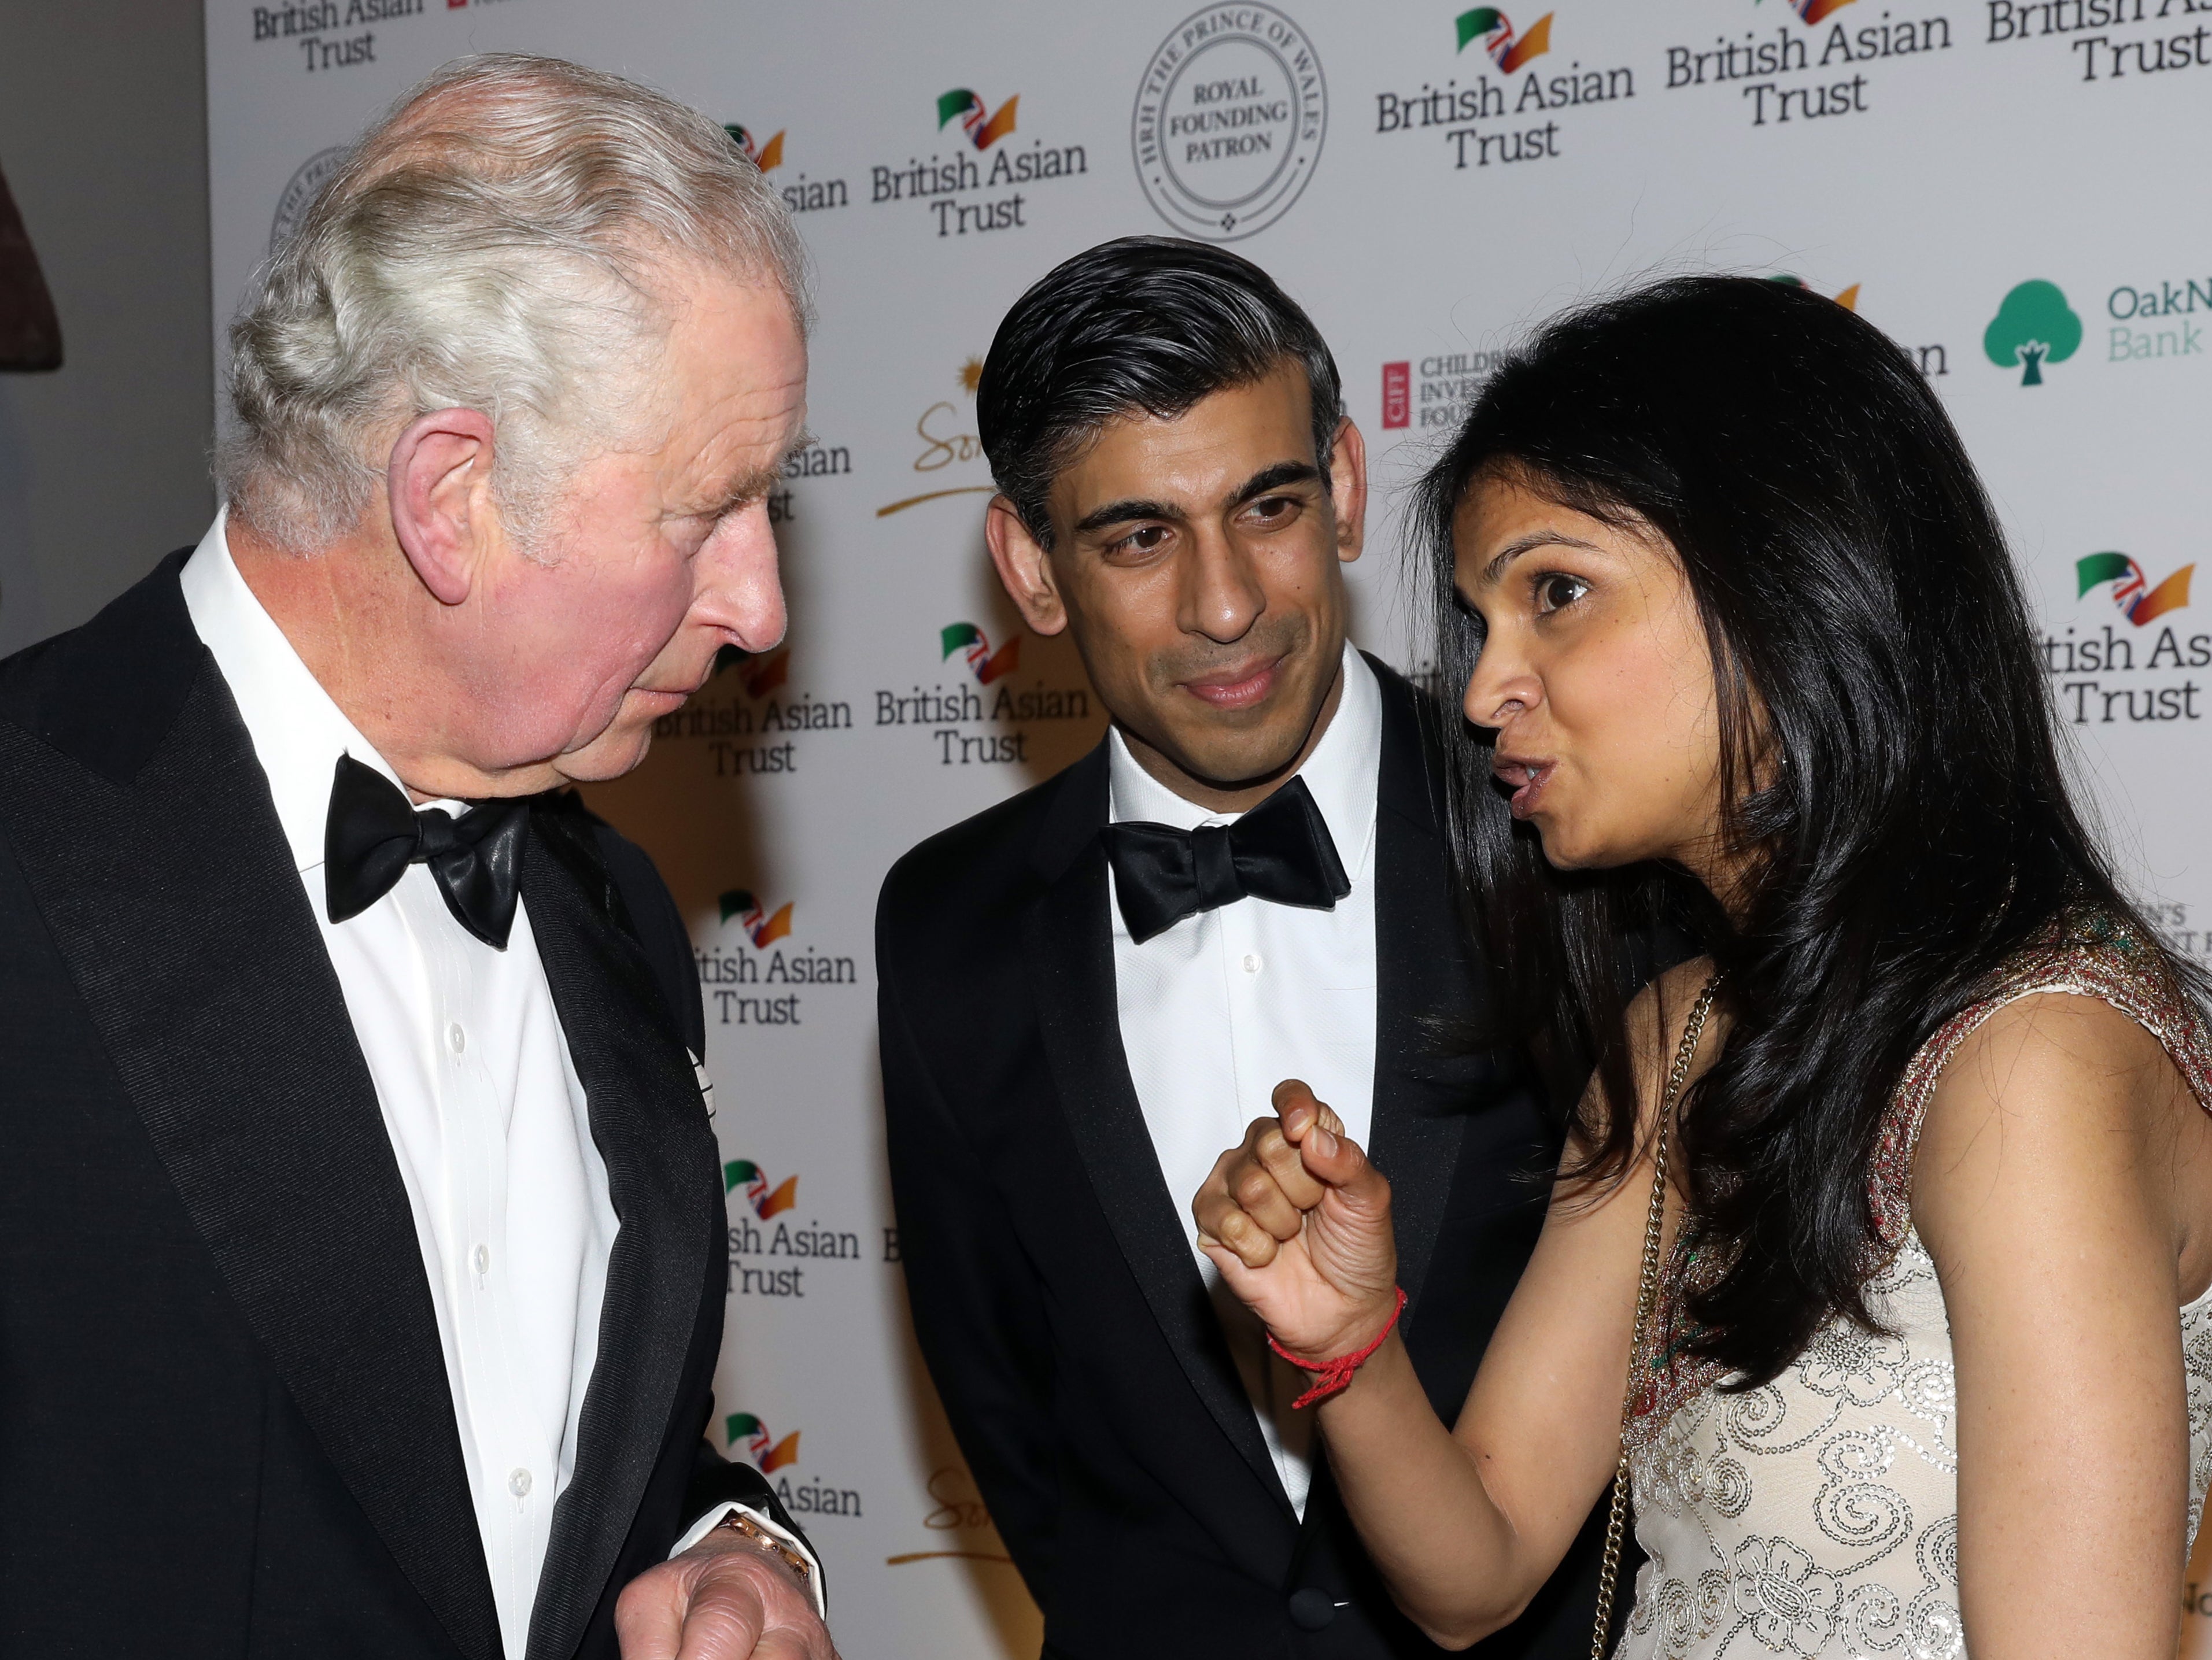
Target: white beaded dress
point(1818, 1515)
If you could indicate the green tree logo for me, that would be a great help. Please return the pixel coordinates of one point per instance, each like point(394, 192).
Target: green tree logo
point(2034, 325)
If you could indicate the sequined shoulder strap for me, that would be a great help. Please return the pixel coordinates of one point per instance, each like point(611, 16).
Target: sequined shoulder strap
point(2095, 958)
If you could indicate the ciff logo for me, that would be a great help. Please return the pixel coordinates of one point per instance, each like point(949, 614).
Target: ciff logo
point(768, 1454)
point(1812, 10)
point(2138, 600)
point(983, 130)
point(2032, 327)
point(767, 157)
point(766, 1202)
point(763, 927)
point(1495, 30)
point(986, 665)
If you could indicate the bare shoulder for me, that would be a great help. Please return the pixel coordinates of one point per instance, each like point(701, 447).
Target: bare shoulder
point(2055, 1088)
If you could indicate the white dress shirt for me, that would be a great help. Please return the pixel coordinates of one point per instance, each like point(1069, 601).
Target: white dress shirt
point(483, 1103)
point(1222, 1006)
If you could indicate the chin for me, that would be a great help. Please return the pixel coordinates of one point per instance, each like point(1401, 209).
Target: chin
point(607, 756)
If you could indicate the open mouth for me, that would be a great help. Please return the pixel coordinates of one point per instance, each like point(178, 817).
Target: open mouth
point(1526, 779)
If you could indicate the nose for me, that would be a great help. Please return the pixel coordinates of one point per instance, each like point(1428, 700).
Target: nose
point(1222, 594)
point(1503, 684)
point(737, 586)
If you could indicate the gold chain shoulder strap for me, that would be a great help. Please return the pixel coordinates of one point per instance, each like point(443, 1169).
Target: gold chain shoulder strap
point(1647, 1295)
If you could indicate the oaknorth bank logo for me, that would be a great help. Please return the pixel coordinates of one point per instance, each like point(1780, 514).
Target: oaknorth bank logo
point(1812, 11)
point(763, 927)
point(2131, 589)
point(984, 127)
point(768, 1454)
point(1495, 30)
point(766, 1201)
point(767, 157)
point(974, 645)
point(2033, 326)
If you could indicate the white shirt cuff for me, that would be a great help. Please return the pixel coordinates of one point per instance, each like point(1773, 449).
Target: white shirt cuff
point(768, 1524)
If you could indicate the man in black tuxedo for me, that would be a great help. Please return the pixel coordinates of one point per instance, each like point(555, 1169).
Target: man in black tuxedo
point(1088, 990)
point(362, 1255)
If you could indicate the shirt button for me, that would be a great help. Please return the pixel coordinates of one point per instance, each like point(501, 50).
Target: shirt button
point(1252, 964)
point(519, 1484)
point(457, 1037)
point(484, 1259)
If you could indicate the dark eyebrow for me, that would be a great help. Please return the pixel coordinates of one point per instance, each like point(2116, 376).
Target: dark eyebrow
point(1270, 479)
point(1520, 545)
point(1267, 479)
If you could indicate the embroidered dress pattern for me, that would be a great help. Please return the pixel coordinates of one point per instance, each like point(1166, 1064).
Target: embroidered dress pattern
point(1818, 1515)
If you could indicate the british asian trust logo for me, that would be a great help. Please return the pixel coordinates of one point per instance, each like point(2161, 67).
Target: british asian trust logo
point(965, 726)
point(1488, 120)
point(763, 978)
point(748, 1434)
point(769, 1454)
point(2109, 40)
point(982, 161)
point(973, 643)
point(767, 1202)
point(1815, 71)
point(1231, 114)
point(747, 718)
point(771, 1250)
point(800, 194)
point(2109, 675)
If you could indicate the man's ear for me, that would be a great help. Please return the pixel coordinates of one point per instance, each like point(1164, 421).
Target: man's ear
point(1347, 490)
point(442, 512)
point(1024, 567)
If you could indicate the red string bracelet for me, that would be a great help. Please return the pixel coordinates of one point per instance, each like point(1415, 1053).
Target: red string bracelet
point(1332, 1376)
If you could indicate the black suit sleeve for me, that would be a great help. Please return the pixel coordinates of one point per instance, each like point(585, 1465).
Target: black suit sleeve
point(657, 925)
point(978, 1313)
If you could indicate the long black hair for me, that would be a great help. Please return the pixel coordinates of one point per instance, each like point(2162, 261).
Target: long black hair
point(1889, 769)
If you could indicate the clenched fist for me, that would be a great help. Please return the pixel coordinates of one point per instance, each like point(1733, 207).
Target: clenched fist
point(724, 1599)
point(1298, 1222)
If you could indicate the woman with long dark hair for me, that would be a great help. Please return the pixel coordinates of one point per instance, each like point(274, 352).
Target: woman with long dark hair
point(1864, 1265)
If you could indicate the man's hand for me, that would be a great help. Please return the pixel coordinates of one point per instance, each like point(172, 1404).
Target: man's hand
point(725, 1598)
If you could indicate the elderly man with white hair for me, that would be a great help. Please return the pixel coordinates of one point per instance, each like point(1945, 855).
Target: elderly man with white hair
point(362, 1255)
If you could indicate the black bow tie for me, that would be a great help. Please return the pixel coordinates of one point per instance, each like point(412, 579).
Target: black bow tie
point(1280, 851)
point(373, 834)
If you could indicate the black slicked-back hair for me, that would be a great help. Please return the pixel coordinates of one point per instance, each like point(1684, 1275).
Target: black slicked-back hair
point(1146, 324)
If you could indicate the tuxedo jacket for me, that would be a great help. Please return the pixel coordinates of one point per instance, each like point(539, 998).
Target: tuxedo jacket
point(1054, 1293)
point(225, 1423)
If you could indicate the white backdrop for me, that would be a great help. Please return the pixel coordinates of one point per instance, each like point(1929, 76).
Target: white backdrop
point(1428, 184)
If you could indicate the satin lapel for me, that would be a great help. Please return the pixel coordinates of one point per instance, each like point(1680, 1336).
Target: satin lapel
point(1421, 979)
point(1069, 949)
point(663, 1177)
point(169, 889)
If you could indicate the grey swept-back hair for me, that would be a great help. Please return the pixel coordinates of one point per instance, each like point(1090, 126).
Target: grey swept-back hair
point(503, 240)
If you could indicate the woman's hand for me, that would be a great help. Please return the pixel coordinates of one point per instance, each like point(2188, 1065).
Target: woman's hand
point(1298, 1222)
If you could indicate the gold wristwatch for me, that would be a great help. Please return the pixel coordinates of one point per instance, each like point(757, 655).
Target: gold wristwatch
point(738, 1522)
